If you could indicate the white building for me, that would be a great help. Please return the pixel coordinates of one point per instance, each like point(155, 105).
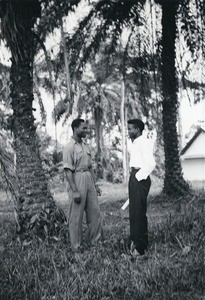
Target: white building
point(193, 157)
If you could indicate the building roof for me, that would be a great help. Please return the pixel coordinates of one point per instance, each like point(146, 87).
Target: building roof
point(190, 142)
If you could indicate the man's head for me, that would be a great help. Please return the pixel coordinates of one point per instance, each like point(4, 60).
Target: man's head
point(79, 128)
point(135, 128)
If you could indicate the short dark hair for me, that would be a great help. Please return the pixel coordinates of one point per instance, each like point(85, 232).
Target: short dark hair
point(76, 123)
point(137, 123)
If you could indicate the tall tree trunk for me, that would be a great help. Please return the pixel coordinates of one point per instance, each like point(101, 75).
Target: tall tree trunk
point(98, 116)
point(174, 182)
point(35, 205)
point(123, 131)
point(65, 55)
point(74, 113)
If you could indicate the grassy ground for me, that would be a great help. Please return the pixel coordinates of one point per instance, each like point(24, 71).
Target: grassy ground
point(174, 268)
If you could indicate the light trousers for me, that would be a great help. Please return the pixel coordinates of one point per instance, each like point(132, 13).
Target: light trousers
point(89, 204)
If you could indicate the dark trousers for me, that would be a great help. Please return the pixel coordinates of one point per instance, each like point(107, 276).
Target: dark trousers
point(138, 191)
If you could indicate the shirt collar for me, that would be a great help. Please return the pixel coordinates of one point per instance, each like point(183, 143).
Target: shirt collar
point(138, 138)
point(74, 141)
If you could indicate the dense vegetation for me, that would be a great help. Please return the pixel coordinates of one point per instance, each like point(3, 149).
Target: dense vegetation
point(174, 268)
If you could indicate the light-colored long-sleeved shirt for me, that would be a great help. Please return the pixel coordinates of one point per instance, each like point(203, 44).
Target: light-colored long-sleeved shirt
point(141, 156)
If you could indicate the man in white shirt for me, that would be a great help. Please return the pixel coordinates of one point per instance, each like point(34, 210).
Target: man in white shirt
point(142, 164)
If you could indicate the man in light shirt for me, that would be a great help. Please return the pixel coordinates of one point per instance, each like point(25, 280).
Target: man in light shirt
point(142, 164)
point(82, 190)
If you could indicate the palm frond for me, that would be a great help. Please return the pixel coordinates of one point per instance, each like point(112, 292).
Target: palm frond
point(51, 13)
point(4, 85)
point(60, 110)
point(105, 21)
point(13, 15)
point(192, 16)
point(8, 176)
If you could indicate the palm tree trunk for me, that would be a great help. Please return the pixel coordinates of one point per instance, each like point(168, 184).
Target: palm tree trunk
point(65, 55)
point(35, 203)
point(123, 131)
point(32, 184)
point(74, 113)
point(174, 182)
point(98, 116)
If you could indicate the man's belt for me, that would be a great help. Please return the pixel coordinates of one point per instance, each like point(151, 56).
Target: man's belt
point(82, 170)
point(135, 169)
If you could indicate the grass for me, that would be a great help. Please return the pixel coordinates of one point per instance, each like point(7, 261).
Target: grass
point(174, 268)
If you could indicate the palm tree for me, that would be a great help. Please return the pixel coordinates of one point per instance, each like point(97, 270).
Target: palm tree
point(102, 99)
point(35, 204)
point(95, 96)
point(173, 181)
point(107, 19)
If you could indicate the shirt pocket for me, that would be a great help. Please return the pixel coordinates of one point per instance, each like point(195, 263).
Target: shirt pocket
point(79, 152)
point(78, 156)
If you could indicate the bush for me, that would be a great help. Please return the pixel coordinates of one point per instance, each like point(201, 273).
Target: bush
point(114, 176)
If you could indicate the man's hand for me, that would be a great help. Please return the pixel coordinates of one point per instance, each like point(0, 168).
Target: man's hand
point(98, 190)
point(77, 197)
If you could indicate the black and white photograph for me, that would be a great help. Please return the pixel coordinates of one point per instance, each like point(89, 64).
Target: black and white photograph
point(102, 149)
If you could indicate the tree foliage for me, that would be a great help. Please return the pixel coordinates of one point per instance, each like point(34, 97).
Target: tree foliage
point(35, 204)
point(137, 60)
point(101, 23)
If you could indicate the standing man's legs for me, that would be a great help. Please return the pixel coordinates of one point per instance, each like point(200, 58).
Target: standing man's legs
point(77, 210)
point(93, 211)
point(138, 191)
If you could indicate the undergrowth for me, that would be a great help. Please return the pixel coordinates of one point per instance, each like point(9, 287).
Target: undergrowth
point(49, 270)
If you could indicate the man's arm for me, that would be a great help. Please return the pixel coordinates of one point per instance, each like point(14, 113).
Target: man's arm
point(71, 181)
point(69, 169)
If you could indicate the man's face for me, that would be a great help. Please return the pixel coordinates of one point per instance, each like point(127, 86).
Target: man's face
point(82, 130)
point(132, 131)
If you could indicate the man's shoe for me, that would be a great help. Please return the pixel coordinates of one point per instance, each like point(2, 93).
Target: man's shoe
point(76, 250)
point(136, 254)
point(140, 257)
